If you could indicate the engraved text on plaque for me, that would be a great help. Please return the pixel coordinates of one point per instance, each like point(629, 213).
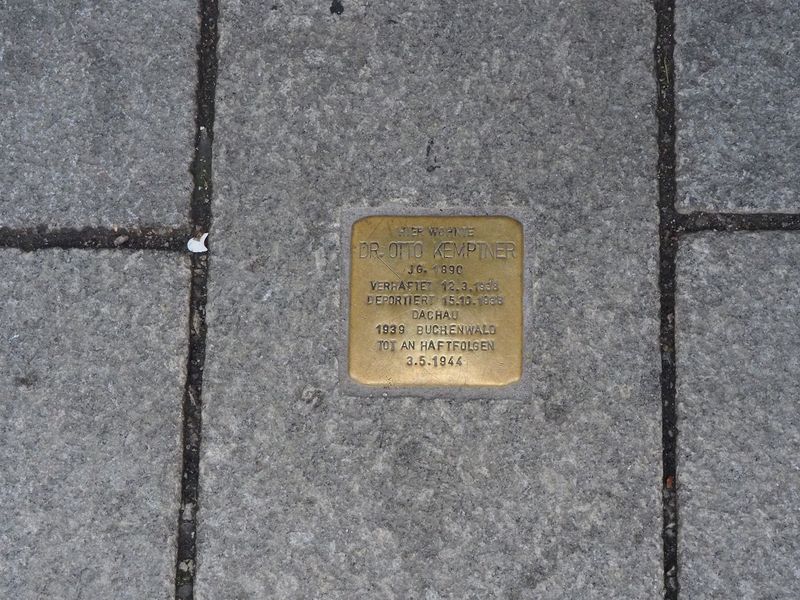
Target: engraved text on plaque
point(436, 301)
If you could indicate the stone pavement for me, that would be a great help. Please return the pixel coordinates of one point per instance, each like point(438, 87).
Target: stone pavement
point(174, 424)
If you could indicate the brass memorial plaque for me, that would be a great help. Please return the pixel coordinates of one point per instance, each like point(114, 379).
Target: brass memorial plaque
point(436, 301)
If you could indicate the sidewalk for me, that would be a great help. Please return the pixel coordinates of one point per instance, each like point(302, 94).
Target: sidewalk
point(176, 424)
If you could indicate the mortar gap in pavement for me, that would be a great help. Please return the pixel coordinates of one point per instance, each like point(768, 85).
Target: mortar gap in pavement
point(102, 238)
point(668, 247)
point(705, 221)
point(201, 218)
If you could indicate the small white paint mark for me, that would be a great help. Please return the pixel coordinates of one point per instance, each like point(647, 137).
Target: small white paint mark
point(197, 244)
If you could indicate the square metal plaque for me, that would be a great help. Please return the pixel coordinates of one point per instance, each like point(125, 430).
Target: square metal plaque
point(436, 301)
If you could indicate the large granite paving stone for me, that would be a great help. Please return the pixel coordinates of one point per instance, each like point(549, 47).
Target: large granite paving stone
point(98, 112)
point(737, 74)
point(738, 390)
point(93, 359)
point(310, 493)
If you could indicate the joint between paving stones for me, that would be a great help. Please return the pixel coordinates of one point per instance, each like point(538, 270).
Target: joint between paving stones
point(696, 222)
point(201, 218)
point(30, 239)
point(192, 422)
point(669, 222)
point(204, 119)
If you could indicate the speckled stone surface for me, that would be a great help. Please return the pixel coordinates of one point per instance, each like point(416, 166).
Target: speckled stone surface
point(310, 493)
point(93, 359)
point(738, 110)
point(739, 416)
point(98, 112)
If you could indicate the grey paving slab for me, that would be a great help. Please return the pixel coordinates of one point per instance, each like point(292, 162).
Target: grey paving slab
point(738, 111)
point(93, 356)
point(739, 416)
point(98, 112)
point(310, 493)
